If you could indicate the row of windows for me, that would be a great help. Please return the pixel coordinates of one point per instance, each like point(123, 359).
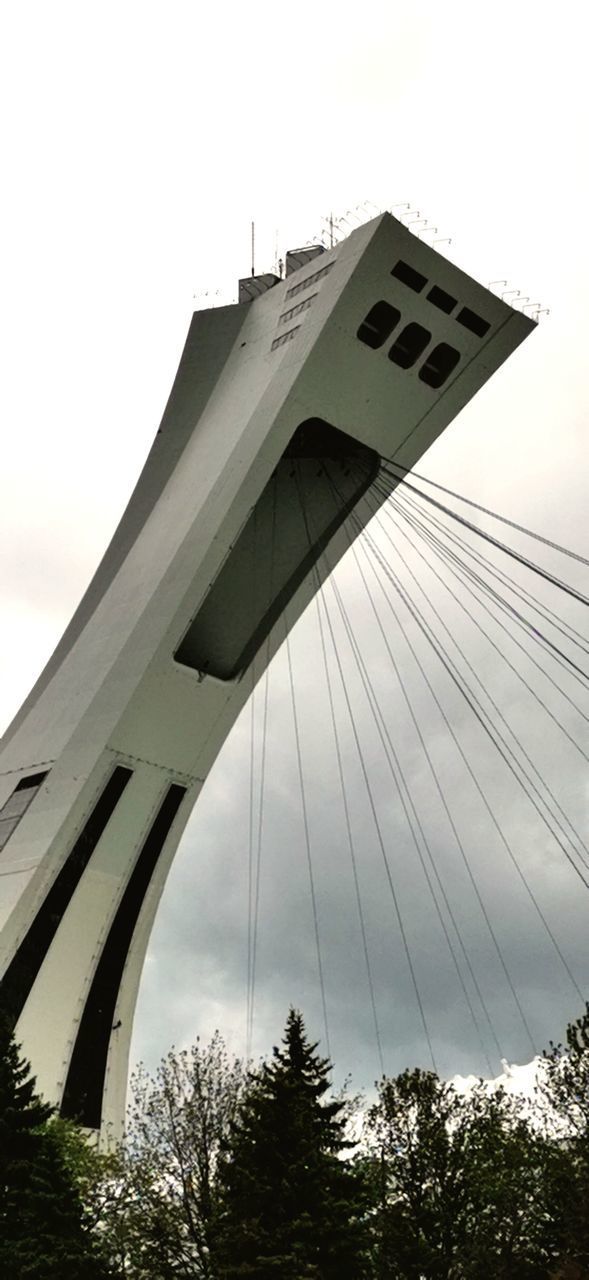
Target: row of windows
point(444, 301)
point(409, 345)
point(17, 804)
point(295, 311)
point(309, 280)
point(285, 337)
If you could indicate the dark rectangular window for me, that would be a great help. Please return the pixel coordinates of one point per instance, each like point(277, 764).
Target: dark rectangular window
point(309, 280)
point(17, 804)
point(410, 344)
point(441, 299)
point(409, 276)
point(378, 325)
point(20, 975)
point(82, 1099)
point(285, 337)
point(439, 365)
point(296, 310)
point(471, 321)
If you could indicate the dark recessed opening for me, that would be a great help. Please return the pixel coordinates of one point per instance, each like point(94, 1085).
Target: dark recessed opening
point(439, 365)
point(475, 323)
point(410, 344)
point(409, 276)
point(82, 1098)
point(20, 975)
point(379, 324)
point(17, 804)
point(33, 780)
point(441, 299)
point(319, 479)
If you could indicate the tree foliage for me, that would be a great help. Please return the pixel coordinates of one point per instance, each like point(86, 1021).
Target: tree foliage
point(462, 1184)
point(162, 1216)
point(564, 1097)
point(227, 1173)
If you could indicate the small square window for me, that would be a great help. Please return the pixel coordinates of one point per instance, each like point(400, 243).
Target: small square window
point(409, 276)
point(441, 299)
point(439, 365)
point(379, 324)
point(410, 344)
point(471, 321)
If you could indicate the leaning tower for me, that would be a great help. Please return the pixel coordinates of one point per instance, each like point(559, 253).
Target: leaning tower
point(282, 408)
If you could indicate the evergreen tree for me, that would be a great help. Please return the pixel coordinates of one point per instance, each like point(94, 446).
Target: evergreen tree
point(42, 1230)
point(292, 1206)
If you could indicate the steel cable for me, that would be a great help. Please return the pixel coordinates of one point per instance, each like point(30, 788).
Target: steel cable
point(472, 703)
point(516, 555)
point(560, 624)
point(346, 810)
point(497, 710)
point(555, 546)
point(461, 572)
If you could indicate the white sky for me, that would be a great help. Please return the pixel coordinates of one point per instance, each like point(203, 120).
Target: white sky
point(139, 140)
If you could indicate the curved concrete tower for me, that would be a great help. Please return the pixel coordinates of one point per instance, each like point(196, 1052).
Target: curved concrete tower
point(282, 408)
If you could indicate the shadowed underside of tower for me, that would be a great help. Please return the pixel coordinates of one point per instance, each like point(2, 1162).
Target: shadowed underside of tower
point(282, 408)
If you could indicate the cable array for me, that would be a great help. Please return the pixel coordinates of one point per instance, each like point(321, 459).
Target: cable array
point(400, 535)
point(401, 472)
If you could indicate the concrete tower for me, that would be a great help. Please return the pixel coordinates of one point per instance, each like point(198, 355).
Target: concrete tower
point(282, 408)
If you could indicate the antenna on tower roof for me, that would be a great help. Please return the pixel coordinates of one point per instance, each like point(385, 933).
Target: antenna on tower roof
point(253, 248)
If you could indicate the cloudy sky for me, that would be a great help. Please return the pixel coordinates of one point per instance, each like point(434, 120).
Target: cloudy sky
point(139, 141)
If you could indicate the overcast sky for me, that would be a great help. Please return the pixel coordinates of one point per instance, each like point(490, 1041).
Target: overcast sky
point(139, 140)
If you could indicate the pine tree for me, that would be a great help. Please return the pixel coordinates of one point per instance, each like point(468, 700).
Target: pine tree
point(42, 1232)
point(292, 1205)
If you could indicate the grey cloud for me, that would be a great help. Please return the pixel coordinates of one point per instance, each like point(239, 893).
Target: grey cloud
point(214, 862)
